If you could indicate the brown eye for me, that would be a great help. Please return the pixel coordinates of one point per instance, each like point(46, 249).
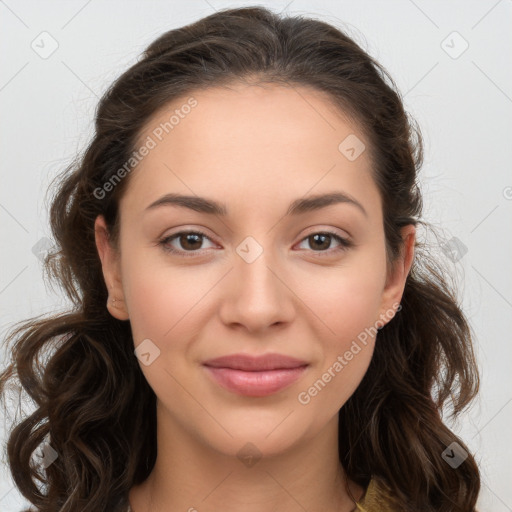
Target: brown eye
point(321, 242)
point(190, 242)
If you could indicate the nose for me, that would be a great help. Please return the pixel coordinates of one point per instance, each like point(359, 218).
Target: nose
point(257, 295)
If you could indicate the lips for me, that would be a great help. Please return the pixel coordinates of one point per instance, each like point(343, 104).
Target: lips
point(255, 376)
point(255, 363)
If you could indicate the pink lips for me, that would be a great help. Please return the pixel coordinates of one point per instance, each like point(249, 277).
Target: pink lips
point(255, 376)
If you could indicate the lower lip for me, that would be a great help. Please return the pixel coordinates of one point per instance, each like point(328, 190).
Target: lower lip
point(262, 383)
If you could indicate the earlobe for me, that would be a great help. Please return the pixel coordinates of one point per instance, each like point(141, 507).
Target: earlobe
point(116, 306)
point(111, 270)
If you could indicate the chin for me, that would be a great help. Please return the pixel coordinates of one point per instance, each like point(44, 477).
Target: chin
point(270, 437)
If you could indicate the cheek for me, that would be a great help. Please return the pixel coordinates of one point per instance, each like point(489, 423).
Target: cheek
point(347, 347)
point(163, 305)
point(348, 300)
point(160, 300)
point(348, 306)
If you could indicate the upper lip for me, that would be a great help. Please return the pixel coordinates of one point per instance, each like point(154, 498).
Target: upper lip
point(255, 363)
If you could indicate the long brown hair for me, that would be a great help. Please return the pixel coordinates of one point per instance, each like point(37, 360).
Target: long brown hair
point(94, 405)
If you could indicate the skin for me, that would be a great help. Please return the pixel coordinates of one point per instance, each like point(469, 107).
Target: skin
point(256, 149)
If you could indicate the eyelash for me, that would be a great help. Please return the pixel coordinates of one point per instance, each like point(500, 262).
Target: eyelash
point(344, 243)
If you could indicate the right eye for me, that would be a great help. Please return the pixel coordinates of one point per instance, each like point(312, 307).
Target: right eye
point(186, 238)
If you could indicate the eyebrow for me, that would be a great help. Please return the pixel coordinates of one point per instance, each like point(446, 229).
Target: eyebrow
point(301, 205)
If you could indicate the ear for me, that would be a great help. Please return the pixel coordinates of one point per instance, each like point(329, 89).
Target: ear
point(397, 276)
point(110, 263)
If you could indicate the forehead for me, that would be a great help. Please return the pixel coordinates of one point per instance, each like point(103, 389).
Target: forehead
point(236, 113)
point(256, 139)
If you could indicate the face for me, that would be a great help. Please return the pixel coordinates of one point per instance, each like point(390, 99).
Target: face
point(311, 284)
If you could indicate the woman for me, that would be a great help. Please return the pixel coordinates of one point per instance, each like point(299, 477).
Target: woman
point(256, 325)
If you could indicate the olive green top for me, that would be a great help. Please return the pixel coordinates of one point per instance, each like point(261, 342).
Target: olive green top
point(371, 502)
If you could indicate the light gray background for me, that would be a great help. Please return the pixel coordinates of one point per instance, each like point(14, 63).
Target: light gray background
point(462, 100)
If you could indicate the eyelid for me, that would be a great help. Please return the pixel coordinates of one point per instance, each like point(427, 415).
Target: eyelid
point(342, 233)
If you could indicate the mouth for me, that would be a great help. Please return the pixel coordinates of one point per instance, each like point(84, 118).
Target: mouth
point(255, 376)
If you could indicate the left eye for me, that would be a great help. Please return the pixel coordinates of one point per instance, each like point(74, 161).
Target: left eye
point(191, 241)
point(319, 238)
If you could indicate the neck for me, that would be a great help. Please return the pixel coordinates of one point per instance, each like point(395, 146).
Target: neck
point(190, 475)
